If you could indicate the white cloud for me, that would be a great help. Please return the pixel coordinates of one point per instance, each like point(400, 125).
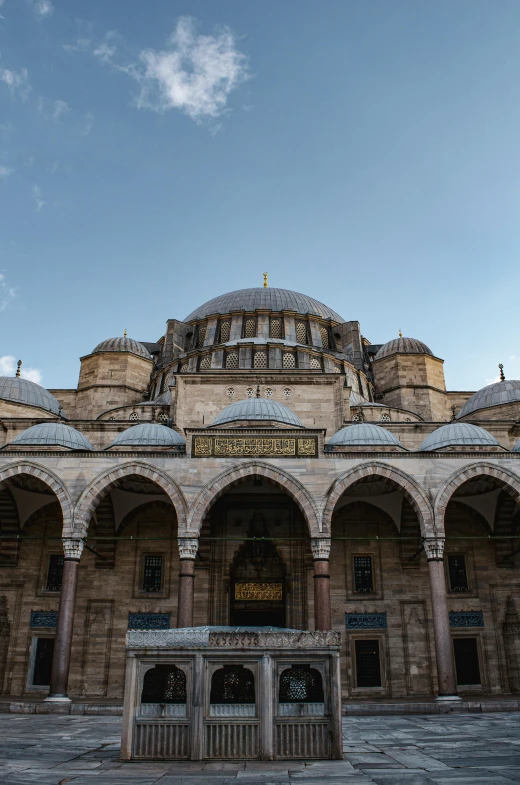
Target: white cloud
point(88, 122)
point(60, 108)
point(8, 368)
point(80, 45)
point(7, 293)
point(39, 203)
point(5, 171)
point(105, 51)
point(17, 82)
point(43, 7)
point(195, 74)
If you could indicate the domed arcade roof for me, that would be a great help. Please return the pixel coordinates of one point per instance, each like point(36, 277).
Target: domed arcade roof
point(122, 345)
point(458, 434)
point(496, 394)
point(402, 346)
point(149, 434)
point(55, 434)
point(257, 409)
point(264, 298)
point(364, 433)
point(18, 390)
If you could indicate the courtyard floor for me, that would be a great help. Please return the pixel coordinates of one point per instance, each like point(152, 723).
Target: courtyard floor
point(453, 749)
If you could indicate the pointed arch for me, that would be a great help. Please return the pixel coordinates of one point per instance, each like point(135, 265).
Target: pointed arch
point(51, 480)
point(408, 485)
point(506, 478)
point(94, 492)
point(223, 481)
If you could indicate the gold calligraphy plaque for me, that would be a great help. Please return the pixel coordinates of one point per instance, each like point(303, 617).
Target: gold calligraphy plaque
point(254, 446)
point(307, 447)
point(258, 591)
point(202, 447)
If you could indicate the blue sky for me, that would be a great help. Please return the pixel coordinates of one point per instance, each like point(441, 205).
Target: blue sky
point(156, 153)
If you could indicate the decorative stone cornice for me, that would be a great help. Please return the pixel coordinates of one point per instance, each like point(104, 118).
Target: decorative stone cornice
point(320, 547)
point(434, 548)
point(73, 548)
point(229, 638)
point(188, 547)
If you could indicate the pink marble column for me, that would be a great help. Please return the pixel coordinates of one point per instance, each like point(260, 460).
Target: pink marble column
point(322, 610)
point(434, 548)
point(188, 547)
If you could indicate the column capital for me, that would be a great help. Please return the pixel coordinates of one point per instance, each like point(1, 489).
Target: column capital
point(73, 547)
point(188, 547)
point(434, 548)
point(320, 547)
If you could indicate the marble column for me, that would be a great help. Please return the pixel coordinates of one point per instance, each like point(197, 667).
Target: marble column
point(188, 547)
point(434, 548)
point(73, 549)
point(320, 547)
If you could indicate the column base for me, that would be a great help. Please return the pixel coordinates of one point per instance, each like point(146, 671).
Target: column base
point(57, 699)
point(448, 698)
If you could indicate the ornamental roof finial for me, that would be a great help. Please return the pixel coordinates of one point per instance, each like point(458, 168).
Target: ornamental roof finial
point(502, 377)
point(124, 334)
point(18, 366)
point(258, 391)
point(266, 280)
point(400, 333)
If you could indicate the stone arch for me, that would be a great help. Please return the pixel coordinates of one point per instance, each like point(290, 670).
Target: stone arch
point(412, 490)
point(94, 492)
point(505, 477)
point(51, 480)
point(220, 484)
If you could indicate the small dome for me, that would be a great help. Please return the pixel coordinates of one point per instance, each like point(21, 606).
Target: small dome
point(496, 394)
point(149, 434)
point(56, 434)
point(403, 346)
point(264, 298)
point(18, 390)
point(364, 434)
point(460, 434)
point(122, 345)
point(257, 409)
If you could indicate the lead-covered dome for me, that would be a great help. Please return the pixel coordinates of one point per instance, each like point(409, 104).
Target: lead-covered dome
point(149, 434)
point(497, 394)
point(122, 345)
point(52, 434)
point(458, 434)
point(259, 409)
point(403, 346)
point(364, 434)
point(22, 391)
point(264, 298)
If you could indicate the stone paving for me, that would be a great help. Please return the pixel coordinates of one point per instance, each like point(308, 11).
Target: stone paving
point(452, 749)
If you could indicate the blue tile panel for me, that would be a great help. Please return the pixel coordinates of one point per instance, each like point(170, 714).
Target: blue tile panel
point(466, 619)
point(365, 621)
point(44, 618)
point(148, 621)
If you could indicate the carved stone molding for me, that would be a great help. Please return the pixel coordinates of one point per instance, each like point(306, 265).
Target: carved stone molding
point(215, 637)
point(188, 547)
point(73, 548)
point(320, 547)
point(434, 548)
point(171, 639)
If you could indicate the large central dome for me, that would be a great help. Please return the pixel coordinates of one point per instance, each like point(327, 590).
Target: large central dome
point(264, 298)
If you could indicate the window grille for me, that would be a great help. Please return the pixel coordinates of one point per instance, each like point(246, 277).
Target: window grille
point(260, 360)
point(231, 392)
point(289, 360)
point(232, 684)
point(162, 418)
point(301, 684)
point(301, 332)
point(250, 327)
point(54, 573)
point(368, 668)
point(134, 417)
point(225, 331)
point(385, 418)
point(111, 419)
point(315, 364)
point(184, 368)
point(324, 337)
point(357, 418)
point(275, 329)
point(337, 369)
point(164, 684)
point(152, 573)
point(250, 392)
point(232, 360)
point(363, 578)
point(268, 392)
point(286, 392)
point(201, 335)
point(458, 573)
point(205, 363)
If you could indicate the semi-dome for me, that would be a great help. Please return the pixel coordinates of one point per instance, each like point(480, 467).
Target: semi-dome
point(403, 346)
point(364, 434)
point(149, 434)
point(22, 391)
point(264, 298)
point(52, 434)
point(260, 409)
point(496, 394)
point(458, 434)
point(122, 345)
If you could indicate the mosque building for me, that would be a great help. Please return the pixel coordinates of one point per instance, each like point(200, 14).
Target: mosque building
point(261, 464)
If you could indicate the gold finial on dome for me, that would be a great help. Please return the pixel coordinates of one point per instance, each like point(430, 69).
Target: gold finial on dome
point(502, 377)
point(18, 366)
point(125, 334)
point(400, 333)
point(266, 280)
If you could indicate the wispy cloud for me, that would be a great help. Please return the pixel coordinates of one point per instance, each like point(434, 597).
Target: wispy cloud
point(8, 368)
point(17, 82)
point(60, 108)
point(7, 293)
point(43, 7)
point(88, 122)
point(5, 171)
point(39, 202)
point(80, 45)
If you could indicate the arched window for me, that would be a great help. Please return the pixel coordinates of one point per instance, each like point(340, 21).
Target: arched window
point(225, 331)
point(324, 337)
point(232, 684)
point(260, 360)
point(164, 684)
point(301, 332)
point(250, 327)
point(232, 360)
point(205, 363)
point(201, 335)
point(315, 363)
point(289, 360)
point(275, 327)
point(301, 684)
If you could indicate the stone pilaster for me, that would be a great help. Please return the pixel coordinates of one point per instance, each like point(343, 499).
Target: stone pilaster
point(320, 547)
point(188, 547)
